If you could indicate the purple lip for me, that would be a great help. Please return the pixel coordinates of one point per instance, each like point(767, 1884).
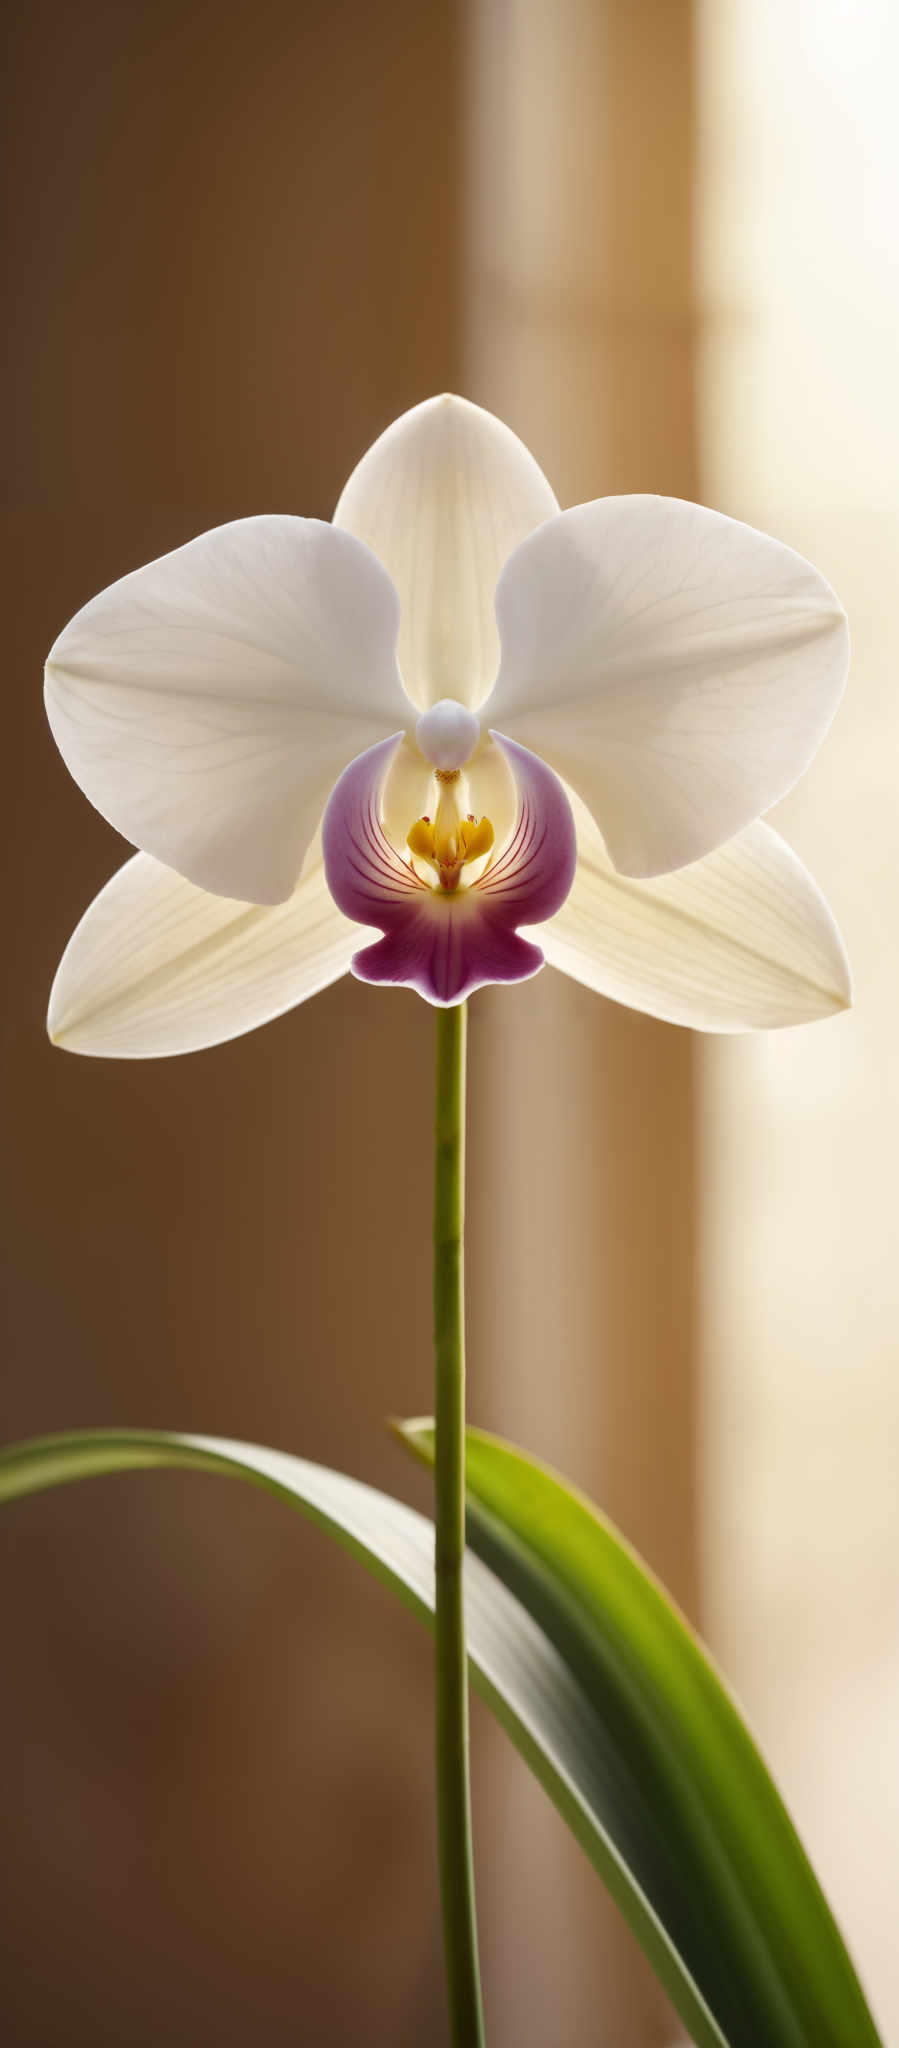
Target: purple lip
point(446, 944)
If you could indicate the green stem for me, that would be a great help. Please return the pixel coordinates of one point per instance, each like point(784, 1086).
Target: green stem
point(451, 1678)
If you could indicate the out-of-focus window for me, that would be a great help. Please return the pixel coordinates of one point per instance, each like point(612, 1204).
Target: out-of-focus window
point(799, 413)
point(578, 330)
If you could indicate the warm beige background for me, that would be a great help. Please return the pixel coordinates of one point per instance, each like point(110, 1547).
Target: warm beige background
point(799, 308)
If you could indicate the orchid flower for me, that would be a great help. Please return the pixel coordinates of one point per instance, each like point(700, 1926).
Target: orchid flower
point(453, 712)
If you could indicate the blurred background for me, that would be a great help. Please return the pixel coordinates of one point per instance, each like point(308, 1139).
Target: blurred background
point(662, 242)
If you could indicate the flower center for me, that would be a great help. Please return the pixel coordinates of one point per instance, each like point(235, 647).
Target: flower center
point(453, 839)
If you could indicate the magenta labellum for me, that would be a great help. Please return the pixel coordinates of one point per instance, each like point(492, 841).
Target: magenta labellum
point(443, 934)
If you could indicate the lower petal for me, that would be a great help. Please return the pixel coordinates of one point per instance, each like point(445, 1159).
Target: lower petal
point(447, 948)
point(157, 966)
point(740, 941)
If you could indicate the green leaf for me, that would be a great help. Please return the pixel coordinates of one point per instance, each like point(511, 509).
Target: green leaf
point(667, 1774)
point(611, 1703)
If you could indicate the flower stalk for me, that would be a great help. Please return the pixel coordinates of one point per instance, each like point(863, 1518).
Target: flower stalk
point(451, 1676)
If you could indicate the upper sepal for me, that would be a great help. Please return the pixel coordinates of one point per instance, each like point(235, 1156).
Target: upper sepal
point(443, 497)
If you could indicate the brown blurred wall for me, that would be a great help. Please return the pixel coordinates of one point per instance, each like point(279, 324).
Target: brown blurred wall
point(244, 239)
point(234, 261)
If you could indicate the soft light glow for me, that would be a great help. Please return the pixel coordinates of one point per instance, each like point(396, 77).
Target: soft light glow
point(799, 184)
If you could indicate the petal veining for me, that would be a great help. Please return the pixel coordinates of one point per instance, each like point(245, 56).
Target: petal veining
point(156, 966)
point(207, 702)
point(677, 668)
point(446, 943)
point(740, 941)
point(442, 498)
point(368, 878)
point(534, 871)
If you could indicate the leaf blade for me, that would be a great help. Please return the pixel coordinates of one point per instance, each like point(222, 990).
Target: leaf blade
point(703, 1828)
point(526, 1678)
point(516, 1670)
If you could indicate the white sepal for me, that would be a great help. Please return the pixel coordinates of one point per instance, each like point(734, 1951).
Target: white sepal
point(442, 498)
point(742, 940)
point(157, 966)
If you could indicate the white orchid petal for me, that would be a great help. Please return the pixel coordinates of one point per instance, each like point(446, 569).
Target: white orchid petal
point(676, 667)
point(208, 702)
point(157, 966)
point(442, 498)
point(742, 940)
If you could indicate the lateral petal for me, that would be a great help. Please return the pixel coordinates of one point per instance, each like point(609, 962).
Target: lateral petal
point(442, 498)
point(207, 702)
point(157, 966)
point(741, 941)
point(676, 667)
